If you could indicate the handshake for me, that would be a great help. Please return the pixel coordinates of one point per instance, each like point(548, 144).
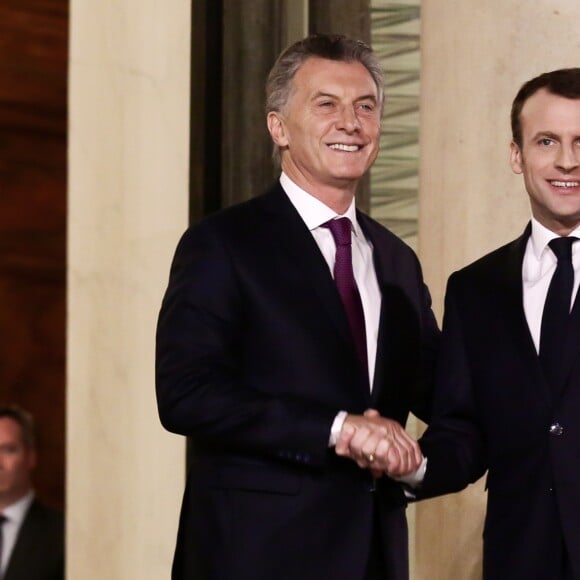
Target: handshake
point(378, 444)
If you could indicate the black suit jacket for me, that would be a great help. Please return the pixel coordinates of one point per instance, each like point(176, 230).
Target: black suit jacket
point(39, 550)
point(494, 411)
point(254, 360)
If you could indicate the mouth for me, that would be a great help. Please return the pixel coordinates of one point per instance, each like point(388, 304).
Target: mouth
point(345, 147)
point(563, 185)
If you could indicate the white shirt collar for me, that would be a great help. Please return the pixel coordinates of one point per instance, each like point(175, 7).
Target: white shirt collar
point(16, 512)
point(312, 210)
point(541, 236)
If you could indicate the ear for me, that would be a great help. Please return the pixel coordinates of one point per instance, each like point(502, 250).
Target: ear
point(516, 158)
point(277, 129)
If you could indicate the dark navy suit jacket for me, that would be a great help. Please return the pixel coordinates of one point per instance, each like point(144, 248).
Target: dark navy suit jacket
point(495, 411)
point(254, 360)
point(39, 550)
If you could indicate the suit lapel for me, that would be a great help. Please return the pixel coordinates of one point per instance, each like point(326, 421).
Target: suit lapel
point(572, 352)
point(510, 287)
point(28, 539)
point(384, 269)
point(514, 312)
point(379, 257)
point(288, 229)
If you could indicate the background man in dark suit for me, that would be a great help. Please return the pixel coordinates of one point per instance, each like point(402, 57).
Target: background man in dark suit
point(508, 390)
point(263, 363)
point(32, 534)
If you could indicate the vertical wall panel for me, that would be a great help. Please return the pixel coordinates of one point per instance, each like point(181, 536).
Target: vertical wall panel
point(128, 205)
point(254, 34)
point(33, 77)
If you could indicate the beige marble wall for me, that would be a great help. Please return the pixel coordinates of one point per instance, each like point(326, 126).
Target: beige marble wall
point(475, 56)
point(128, 199)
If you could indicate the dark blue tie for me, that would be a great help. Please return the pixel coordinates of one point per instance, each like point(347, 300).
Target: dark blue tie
point(347, 288)
point(556, 315)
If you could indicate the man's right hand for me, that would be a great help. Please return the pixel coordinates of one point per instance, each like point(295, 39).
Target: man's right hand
point(378, 444)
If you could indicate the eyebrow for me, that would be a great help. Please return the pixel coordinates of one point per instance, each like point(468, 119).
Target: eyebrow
point(548, 134)
point(333, 96)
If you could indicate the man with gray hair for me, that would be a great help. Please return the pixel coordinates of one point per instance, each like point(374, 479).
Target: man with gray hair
point(295, 330)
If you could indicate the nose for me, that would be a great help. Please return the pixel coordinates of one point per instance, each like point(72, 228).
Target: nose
point(349, 120)
point(568, 158)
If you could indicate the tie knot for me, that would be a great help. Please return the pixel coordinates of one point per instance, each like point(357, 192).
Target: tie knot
point(340, 229)
point(562, 247)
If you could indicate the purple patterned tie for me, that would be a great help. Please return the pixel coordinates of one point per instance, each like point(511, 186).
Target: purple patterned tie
point(345, 282)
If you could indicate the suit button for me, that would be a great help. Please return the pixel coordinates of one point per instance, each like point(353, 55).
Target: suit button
point(556, 429)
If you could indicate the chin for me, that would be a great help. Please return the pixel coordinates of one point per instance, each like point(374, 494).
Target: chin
point(349, 175)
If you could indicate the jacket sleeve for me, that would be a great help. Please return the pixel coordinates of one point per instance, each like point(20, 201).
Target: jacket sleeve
point(430, 340)
point(453, 443)
point(201, 389)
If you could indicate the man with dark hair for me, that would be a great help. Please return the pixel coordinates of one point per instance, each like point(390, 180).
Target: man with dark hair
point(508, 385)
point(31, 534)
point(271, 366)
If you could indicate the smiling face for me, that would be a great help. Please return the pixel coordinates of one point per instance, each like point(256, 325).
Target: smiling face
point(549, 159)
point(329, 130)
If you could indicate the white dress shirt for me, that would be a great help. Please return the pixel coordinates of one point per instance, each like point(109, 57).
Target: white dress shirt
point(15, 515)
point(314, 214)
point(538, 268)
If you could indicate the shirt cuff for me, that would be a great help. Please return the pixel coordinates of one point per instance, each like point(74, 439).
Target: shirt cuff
point(415, 478)
point(336, 428)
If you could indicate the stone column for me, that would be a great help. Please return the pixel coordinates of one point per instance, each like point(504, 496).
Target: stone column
point(254, 35)
point(128, 203)
point(475, 56)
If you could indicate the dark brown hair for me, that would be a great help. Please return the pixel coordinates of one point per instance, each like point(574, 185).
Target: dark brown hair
point(564, 82)
point(24, 419)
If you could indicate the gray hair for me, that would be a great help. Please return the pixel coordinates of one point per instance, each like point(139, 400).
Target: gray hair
point(328, 46)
